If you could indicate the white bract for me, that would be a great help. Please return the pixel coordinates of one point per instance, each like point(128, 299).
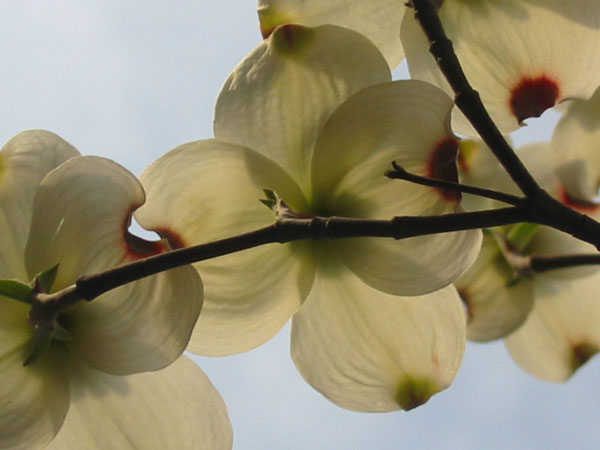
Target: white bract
point(311, 114)
point(89, 391)
point(555, 314)
point(522, 56)
point(575, 148)
point(379, 20)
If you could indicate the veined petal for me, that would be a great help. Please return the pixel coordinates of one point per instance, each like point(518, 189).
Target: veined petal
point(278, 98)
point(561, 333)
point(575, 148)
point(24, 161)
point(138, 327)
point(406, 122)
point(379, 20)
point(81, 214)
point(209, 190)
point(519, 55)
point(478, 167)
point(35, 398)
point(497, 302)
point(175, 408)
point(412, 266)
point(369, 351)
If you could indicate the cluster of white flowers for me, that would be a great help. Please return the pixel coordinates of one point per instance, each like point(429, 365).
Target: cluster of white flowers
point(312, 115)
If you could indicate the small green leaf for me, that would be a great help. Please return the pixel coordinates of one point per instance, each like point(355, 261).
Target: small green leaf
point(521, 234)
point(271, 199)
point(41, 342)
point(16, 290)
point(44, 280)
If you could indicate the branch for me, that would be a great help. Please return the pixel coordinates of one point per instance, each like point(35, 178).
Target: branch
point(399, 173)
point(467, 99)
point(544, 209)
point(294, 229)
point(545, 263)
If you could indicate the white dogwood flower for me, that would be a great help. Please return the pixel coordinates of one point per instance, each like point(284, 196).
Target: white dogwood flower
point(98, 383)
point(523, 57)
point(292, 118)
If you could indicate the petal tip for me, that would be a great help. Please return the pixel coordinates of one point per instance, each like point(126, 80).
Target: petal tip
point(291, 39)
point(581, 353)
point(414, 391)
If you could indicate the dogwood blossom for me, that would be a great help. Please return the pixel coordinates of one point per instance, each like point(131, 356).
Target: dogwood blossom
point(87, 389)
point(292, 118)
point(522, 56)
point(548, 319)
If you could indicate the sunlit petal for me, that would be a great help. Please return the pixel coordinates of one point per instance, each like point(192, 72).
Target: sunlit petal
point(34, 398)
point(209, 190)
point(561, 333)
point(406, 122)
point(175, 408)
point(81, 214)
point(278, 98)
point(575, 147)
point(497, 299)
point(368, 351)
point(478, 167)
point(24, 161)
point(519, 55)
point(379, 20)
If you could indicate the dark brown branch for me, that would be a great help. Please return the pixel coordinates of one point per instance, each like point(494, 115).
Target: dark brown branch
point(399, 173)
point(544, 209)
point(546, 263)
point(467, 99)
point(288, 230)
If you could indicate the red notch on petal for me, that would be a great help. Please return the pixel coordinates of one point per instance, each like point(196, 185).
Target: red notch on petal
point(442, 166)
point(138, 248)
point(175, 241)
point(582, 206)
point(581, 353)
point(532, 96)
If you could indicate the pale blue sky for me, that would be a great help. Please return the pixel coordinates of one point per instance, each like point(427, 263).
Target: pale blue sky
point(133, 79)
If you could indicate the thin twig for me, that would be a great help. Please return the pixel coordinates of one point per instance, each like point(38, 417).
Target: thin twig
point(399, 173)
point(543, 208)
point(467, 99)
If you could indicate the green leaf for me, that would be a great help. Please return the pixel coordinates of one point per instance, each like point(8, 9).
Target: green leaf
point(271, 199)
point(43, 281)
point(521, 234)
point(16, 290)
point(41, 342)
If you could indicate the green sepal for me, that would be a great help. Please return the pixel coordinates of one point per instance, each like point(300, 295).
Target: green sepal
point(271, 199)
point(43, 281)
point(521, 234)
point(16, 290)
point(61, 334)
point(41, 343)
